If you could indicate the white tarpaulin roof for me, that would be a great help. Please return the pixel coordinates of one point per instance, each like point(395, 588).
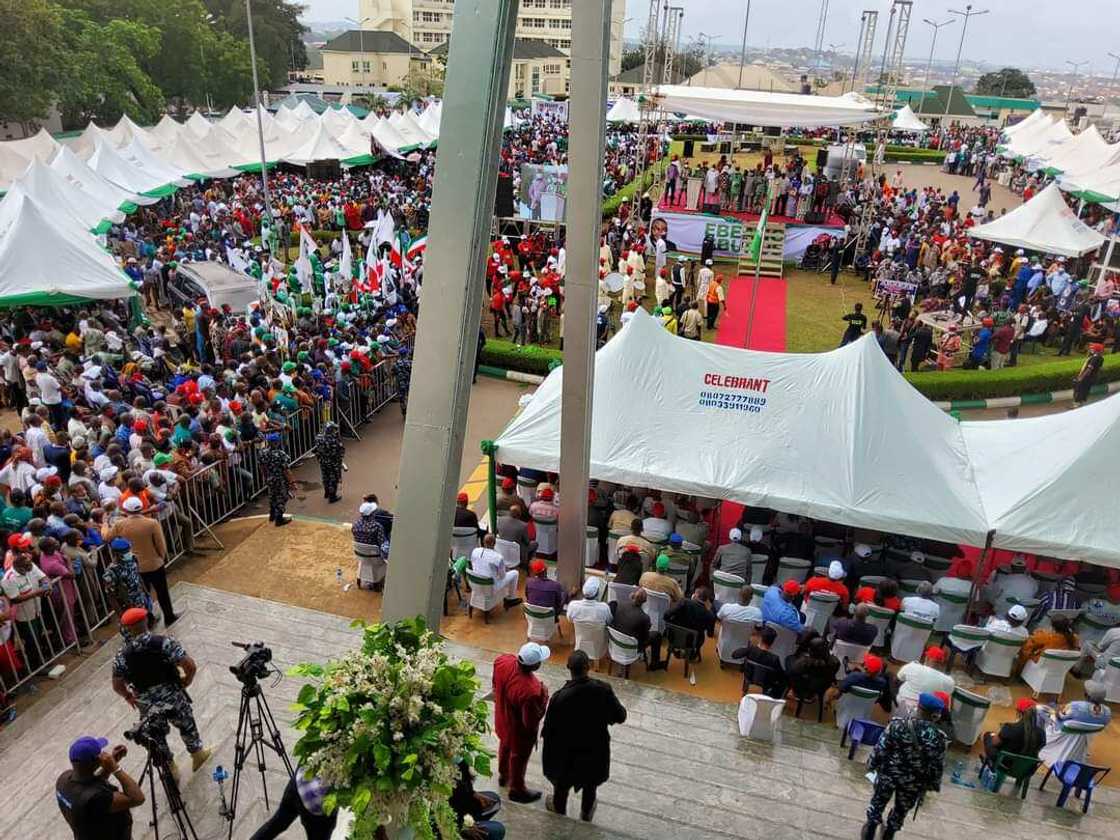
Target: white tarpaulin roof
point(1086, 151)
point(906, 120)
point(1039, 141)
point(1045, 481)
point(78, 172)
point(625, 111)
point(52, 189)
point(1045, 223)
point(839, 436)
point(756, 107)
point(1024, 124)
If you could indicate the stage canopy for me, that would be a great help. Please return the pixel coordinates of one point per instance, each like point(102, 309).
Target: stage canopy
point(1046, 224)
point(755, 107)
point(624, 111)
point(839, 436)
point(906, 120)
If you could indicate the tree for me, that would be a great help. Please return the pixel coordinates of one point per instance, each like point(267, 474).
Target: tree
point(29, 42)
point(277, 32)
point(1010, 81)
point(686, 63)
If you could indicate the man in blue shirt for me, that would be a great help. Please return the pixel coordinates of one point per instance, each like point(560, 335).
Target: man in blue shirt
point(778, 608)
point(1092, 709)
point(1022, 281)
point(1038, 276)
point(1060, 279)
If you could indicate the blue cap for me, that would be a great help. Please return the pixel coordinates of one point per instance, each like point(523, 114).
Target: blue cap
point(120, 544)
point(930, 702)
point(272, 437)
point(87, 749)
point(675, 539)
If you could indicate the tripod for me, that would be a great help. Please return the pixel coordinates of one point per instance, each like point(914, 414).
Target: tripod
point(256, 729)
point(158, 764)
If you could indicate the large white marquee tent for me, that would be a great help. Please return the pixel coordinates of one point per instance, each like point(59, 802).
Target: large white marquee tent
point(839, 436)
point(1045, 223)
point(762, 108)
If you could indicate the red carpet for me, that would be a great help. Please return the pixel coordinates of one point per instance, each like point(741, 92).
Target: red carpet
point(767, 333)
point(832, 220)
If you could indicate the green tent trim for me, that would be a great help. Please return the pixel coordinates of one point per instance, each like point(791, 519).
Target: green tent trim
point(45, 299)
point(361, 160)
point(161, 192)
point(252, 168)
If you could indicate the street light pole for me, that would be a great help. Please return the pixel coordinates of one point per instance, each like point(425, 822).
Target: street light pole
point(832, 48)
point(260, 119)
point(743, 52)
point(707, 55)
point(929, 65)
point(1115, 73)
point(966, 14)
point(1069, 93)
point(361, 47)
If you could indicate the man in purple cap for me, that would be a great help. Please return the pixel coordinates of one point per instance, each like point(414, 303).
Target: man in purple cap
point(94, 808)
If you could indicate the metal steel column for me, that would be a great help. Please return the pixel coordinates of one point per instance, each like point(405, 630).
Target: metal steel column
point(590, 43)
point(447, 336)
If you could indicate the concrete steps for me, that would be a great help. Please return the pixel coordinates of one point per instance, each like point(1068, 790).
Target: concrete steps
point(679, 769)
point(773, 247)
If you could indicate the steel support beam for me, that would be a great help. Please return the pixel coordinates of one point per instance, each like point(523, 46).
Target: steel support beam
point(590, 45)
point(477, 82)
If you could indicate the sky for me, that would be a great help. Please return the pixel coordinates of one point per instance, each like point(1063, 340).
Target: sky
point(1031, 33)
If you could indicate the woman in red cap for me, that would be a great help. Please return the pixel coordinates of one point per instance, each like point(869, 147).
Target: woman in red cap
point(1023, 737)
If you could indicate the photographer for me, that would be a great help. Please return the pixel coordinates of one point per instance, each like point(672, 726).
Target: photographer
point(94, 808)
point(302, 798)
point(146, 674)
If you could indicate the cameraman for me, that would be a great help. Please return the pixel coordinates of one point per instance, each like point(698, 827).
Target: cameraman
point(95, 809)
point(146, 674)
point(302, 798)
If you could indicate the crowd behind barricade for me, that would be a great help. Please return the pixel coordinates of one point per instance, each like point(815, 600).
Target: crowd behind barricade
point(808, 610)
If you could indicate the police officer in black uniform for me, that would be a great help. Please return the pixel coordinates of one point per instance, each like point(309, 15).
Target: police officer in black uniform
point(94, 808)
point(146, 673)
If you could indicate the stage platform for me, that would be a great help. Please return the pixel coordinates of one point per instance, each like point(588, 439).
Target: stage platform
point(831, 221)
point(679, 767)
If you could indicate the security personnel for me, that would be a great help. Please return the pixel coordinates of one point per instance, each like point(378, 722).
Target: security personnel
point(93, 808)
point(152, 673)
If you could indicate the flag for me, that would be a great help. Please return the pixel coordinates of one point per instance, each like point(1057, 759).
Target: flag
point(395, 251)
point(346, 262)
point(303, 263)
point(760, 231)
point(366, 282)
point(417, 248)
point(236, 260)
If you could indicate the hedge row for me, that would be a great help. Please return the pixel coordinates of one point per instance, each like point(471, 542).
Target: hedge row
point(939, 386)
point(611, 205)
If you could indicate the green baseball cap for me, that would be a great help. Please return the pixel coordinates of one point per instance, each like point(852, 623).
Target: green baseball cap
point(662, 562)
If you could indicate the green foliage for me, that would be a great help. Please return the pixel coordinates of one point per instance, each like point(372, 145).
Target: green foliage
point(611, 205)
point(907, 154)
point(1010, 81)
point(277, 32)
point(944, 386)
point(504, 354)
point(386, 726)
point(29, 41)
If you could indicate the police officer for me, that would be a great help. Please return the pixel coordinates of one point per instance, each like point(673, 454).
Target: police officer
point(152, 673)
point(95, 809)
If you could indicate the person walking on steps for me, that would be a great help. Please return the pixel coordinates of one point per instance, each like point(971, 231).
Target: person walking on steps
point(908, 761)
point(519, 705)
point(278, 477)
point(330, 451)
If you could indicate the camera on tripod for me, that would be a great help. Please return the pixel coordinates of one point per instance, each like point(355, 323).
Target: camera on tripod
point(254, 665)
point(151, 734)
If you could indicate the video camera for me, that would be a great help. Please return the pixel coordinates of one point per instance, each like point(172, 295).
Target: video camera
point(151, 734)
point(254, 665)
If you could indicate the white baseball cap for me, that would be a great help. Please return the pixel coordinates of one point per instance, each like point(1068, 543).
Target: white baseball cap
point(366, 508)
point(133, 504)
point(735, 535)
point(1018, 612)
point(835, 570)
point(756, 534)
point(863, 550)
point(591, 588)
point(531, 653)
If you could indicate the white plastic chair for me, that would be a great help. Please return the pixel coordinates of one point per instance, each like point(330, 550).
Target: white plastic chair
point(998, 654)
point(792, 568)
point(1090, 629)
point(952, 610)
point(483, 596)
point(881, 618)
point(826, 548)
point(623, 650)
point(759, 562)
point(612, 546)
point(726, 586)
point(619, 592)
point(464, 540)
point(1112, 680)
point(1047, 621)
point(546, 536)
point(937, 567)
point(679, 573)
point(968, 713)
point(785, 643)
point(541, 621)
point(1067, 741)
point(591, 554)
point(853, 653)
point(655, 606)
point(758, 716)
point(871, 580)
point(1048, 674)
point(819, 607)
point(526, 490)
point(855, 704)
point(910, 637)
point(591, 638)
point(510, 551)
point(732, 636)
point(759, 592)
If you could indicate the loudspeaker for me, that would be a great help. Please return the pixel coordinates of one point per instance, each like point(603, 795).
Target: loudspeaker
point(813, 218)
point(822, 159)
point(689, 148)
point(503, 197)
point(725, 148)
point(324, 170)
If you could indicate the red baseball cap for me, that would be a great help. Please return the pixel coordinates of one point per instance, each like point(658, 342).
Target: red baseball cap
point(935, 654)
point(659, 510)
point(462, 498)
point(547, 493)
point(507, 483)
point(537, 566)
point(1023, 704)
point(134, 615)
point(872, 664)
point(791, 587)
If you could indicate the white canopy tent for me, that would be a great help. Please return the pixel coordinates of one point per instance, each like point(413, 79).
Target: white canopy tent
point(78, 172)
point(1045, 223)
point(624, 110)
point(1024, 124)
point(51, 189)
point(15, 155)
point(1086, 151)
point(77, 268)
point(1038, 142)
point(839, 436)
point(1045, 481)
point(114, 167)
point(906, 120)
point(756, 107)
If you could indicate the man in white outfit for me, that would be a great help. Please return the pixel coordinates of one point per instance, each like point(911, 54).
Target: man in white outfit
point(488, 562)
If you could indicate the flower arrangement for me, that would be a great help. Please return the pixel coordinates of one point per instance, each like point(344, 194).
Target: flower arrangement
point(385, 727)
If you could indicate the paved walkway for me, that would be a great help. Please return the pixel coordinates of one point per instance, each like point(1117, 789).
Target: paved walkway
point(679, 767)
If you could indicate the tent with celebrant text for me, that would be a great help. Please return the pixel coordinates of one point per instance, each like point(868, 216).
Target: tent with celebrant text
point(1045, 223)
point(839, 436)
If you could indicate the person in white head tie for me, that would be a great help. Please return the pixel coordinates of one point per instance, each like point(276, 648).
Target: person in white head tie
point(485, 560)
point(589, 607)
point(1015, 622)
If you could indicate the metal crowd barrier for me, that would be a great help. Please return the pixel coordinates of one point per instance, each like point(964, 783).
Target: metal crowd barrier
point(200, 502)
